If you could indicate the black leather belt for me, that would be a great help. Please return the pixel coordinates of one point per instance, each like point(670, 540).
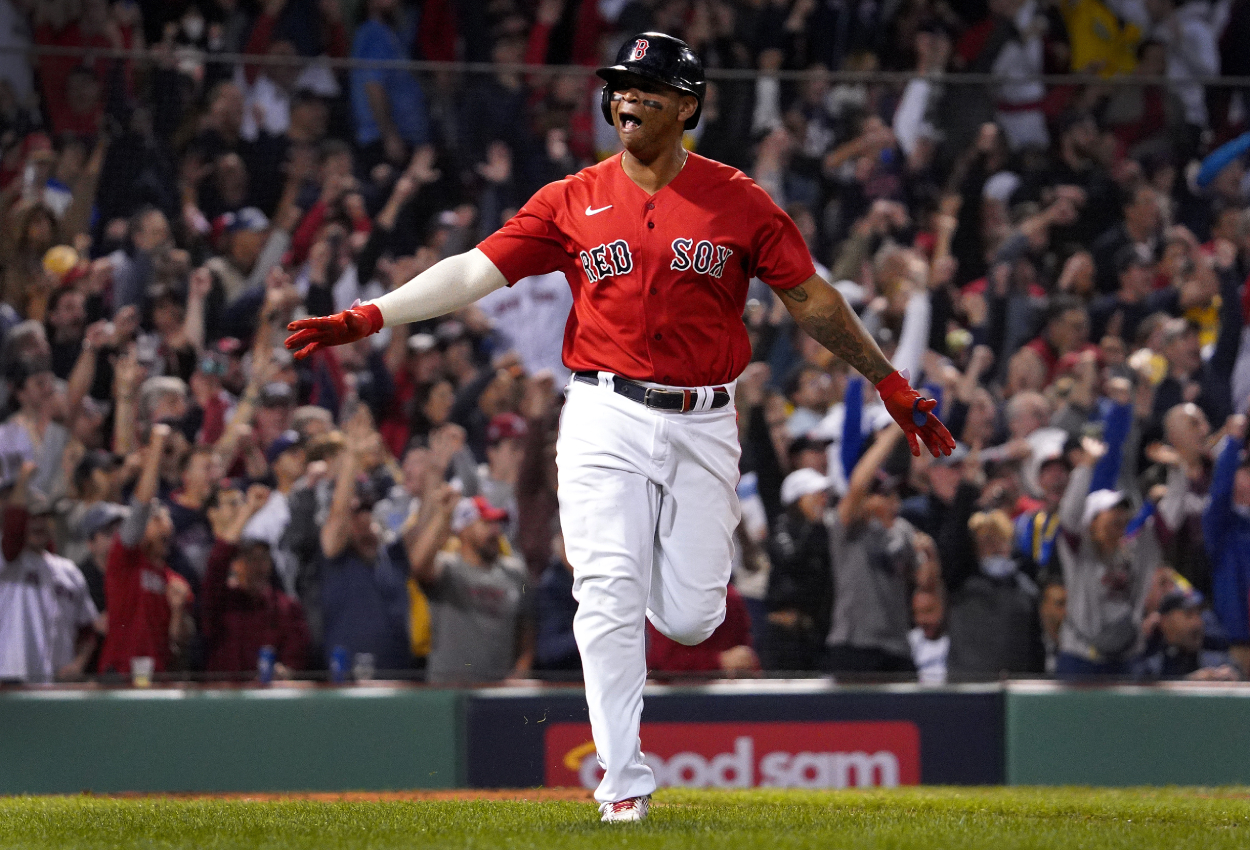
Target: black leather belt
point(679, 401)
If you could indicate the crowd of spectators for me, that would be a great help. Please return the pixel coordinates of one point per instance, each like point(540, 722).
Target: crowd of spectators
point(179, 490)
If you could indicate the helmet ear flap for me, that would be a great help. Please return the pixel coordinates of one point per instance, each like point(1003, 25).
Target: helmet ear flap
point(605, 103)
point(700, 92)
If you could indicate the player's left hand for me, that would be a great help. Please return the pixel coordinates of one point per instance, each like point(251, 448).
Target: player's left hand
point(915, 416)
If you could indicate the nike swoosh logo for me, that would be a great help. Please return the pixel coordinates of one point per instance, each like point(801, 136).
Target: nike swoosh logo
point(589, 211)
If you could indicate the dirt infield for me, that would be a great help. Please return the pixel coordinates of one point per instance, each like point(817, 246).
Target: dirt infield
point(537, 795)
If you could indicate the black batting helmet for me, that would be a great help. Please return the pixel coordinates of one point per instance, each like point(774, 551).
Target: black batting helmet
point(661, 58)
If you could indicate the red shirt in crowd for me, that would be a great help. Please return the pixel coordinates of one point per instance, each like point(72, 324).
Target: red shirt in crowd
point(659, 281)
point(236, 624)
point(1051, 358)
point(669, 656)
point(138, 609)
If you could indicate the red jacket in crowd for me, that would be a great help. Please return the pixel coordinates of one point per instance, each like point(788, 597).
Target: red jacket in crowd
point(236, 623)
point(666, 655)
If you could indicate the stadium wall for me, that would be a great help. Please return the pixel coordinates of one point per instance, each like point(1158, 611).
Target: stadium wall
point(273, 739)
point(1168, 735)
point(742, 734)
point(804, 734)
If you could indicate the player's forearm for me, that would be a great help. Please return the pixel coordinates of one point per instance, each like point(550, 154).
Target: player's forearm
point(823, 313)
point(445, 287)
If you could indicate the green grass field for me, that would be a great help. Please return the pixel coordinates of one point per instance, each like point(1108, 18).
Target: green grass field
point(928, 818)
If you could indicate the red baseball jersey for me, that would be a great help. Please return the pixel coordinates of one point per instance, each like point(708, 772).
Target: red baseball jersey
point(659, 281)
point(138, 609)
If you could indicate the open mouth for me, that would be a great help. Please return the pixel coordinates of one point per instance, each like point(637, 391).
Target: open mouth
point(629, 121)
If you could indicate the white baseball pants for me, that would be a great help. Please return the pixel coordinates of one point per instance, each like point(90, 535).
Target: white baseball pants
point(648, 511)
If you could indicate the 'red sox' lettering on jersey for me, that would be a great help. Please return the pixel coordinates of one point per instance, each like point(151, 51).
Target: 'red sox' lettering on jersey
point(610, 260)
point(659, 281)
point(702, 256)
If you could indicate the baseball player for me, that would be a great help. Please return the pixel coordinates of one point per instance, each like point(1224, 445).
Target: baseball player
point(658, 245)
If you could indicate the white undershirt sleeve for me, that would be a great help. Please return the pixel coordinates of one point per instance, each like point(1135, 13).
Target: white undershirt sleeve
point(443, 288)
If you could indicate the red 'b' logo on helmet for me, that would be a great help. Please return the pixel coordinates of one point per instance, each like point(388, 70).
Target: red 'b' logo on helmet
point(639, 51)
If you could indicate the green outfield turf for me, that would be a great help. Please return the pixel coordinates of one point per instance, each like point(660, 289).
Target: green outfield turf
point(864, 820)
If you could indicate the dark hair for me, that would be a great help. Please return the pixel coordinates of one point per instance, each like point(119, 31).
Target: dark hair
point(1146, 44)
point(214, 498)
point(90, 462)
point(20, 370)
point(420, 424)
point(795, 378)
point(333, 147)
point(1060, 304)
point(1049, 578)
point(137, 217)
point(54, 300)
point(1128, 194)
point(194, 452)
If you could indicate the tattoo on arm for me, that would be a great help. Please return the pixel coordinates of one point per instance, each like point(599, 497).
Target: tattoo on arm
point(831, 322)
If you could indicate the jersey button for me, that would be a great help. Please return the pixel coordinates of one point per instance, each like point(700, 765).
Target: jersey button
point(650, 206)
point(654, 290)
point(659, 336)
point(650, 224)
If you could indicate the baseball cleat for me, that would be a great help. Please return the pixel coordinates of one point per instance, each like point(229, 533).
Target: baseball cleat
point(629, 810)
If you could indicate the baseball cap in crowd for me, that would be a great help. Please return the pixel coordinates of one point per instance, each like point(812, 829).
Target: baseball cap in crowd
point(1179, 598)
point(99, 517)
point(1072, 119)
point(248, 219)
point(38, 145)
point(229, 346)
point(854, 293)
point(282, 359)
point(956, 456)
point(883, 336)
point(91, 461)
point(1174, 329)
point(1054, 454)
point(277, 394)
point(884, 484)
point(95, 407)
point(311, 419)
point(22, 368)
point(449, 332)
point(505, 426)
point(803, 482)
point(935, 26)
point(166, 292)
point(808, 442)
point(470, 509)
point(421, 343)
point(1103, 500)
point(213, 363)
point(1001, 187)
point(1130, 256)
point(1072, 359)
point(286, 441)
point(37, 504)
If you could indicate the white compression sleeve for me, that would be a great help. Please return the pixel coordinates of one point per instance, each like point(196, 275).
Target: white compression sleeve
point(446, 286)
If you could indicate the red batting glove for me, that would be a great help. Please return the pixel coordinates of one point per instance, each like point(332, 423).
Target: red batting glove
point(341, 328)
point(914, 415)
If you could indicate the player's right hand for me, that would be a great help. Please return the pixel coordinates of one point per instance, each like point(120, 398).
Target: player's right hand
point(341, 328)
